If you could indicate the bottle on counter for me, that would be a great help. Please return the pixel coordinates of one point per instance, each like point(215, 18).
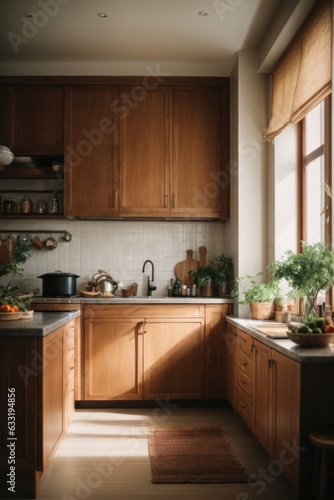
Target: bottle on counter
point(177, 288)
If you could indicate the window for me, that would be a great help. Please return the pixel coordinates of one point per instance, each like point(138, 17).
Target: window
point(315, 175)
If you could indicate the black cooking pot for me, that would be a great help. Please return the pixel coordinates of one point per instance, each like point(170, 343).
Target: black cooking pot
point(59, 284)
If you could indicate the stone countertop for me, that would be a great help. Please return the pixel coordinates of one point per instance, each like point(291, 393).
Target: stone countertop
point(284, 346)
point(40, 325)
point(156, 300)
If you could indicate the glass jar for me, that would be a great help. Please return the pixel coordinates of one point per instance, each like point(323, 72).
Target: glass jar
point(9, 206)
point(25, 206)
point(54, 203)
point(41, 207)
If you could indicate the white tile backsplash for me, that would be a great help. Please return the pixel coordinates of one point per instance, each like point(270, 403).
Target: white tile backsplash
point(119, 247)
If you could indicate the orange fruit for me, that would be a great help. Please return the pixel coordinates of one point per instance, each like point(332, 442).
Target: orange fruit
point(6, 308)
point(14, 309)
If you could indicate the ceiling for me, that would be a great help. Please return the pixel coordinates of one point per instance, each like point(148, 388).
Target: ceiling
point(67, 36)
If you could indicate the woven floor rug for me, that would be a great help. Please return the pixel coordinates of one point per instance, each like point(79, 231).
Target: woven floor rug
point(193, 455)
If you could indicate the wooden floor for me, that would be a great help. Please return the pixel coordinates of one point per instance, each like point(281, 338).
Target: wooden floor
point(104, 456)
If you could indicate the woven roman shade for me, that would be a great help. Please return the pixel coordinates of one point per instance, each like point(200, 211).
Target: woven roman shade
point(303, 76)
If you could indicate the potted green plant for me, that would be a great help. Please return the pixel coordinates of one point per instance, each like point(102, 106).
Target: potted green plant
point(307, 273)
point(222, 274)
point(260, 296)
point(15, 290)
point(203, 277)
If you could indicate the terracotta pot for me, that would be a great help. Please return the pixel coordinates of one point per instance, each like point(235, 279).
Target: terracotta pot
point(208, 290)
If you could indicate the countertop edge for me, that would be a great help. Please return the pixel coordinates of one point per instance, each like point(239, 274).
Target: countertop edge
point(284, 346)
point(41, 325)
point(157, 300)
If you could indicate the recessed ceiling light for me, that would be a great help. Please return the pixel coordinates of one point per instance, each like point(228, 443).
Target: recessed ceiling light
point(203, 13)
point(103, 14)
point(29, 15)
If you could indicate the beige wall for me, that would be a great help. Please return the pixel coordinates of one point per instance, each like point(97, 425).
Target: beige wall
point(249, 153)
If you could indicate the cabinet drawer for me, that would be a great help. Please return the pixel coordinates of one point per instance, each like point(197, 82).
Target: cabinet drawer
point(245, 364)
point(109, 311)
point(245, 342)
point(244, 406)
point(245, 382)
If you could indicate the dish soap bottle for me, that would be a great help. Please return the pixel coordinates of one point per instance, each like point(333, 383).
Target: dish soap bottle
point(177, 288)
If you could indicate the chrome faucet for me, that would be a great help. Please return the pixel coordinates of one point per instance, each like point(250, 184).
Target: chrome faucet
point(151, 286)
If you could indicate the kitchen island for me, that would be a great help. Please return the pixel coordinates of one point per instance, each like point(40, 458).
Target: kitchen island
point(37, 396)
point(281, 391)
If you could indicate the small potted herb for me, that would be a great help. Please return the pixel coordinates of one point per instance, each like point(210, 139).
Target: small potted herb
point(15, 292)
point(307, 273)
point(223, 274)
point(259, 296)
point(204, 279)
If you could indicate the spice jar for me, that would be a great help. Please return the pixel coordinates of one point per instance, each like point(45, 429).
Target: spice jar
point(26, 206)
point(9, 206)
point(41, 207)
point(54, 203)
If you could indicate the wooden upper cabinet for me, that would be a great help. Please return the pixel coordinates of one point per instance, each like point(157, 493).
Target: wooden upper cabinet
point(199, 183)
point(4, 113)
point(144, 152)
point(36, 120)
point(91, 173)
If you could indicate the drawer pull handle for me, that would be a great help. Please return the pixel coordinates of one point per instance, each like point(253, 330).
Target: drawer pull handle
point(244, 363)
point(243, 382)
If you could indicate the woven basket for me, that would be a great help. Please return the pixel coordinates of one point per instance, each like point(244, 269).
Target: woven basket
point(262, 310)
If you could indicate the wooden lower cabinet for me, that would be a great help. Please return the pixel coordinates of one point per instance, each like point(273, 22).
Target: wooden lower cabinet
point(174, 358)
point(286, 417)
point(113, 358)
point(230, 337)
point(37, 374)
point(215, 347)
point(267, 394)
point(245, 378)
point(263, 395)
point(154, 351)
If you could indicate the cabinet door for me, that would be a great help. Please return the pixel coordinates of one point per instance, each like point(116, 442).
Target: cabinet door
point(286, 428)
point(52, 400)
point(174, 359)
point(215, 387)
point(113, 359)
point(91, 179)
point(199, 183)
point(69, 368)
point(4, 113)
point(262, 391)
point(144, 152)
point(37, 120)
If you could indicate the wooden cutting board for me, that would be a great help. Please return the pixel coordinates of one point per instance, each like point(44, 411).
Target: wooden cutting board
point(202, 256)
point(182, 269)
point(6, 248)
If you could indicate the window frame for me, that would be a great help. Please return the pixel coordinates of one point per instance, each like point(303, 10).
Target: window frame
point(303, 161)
